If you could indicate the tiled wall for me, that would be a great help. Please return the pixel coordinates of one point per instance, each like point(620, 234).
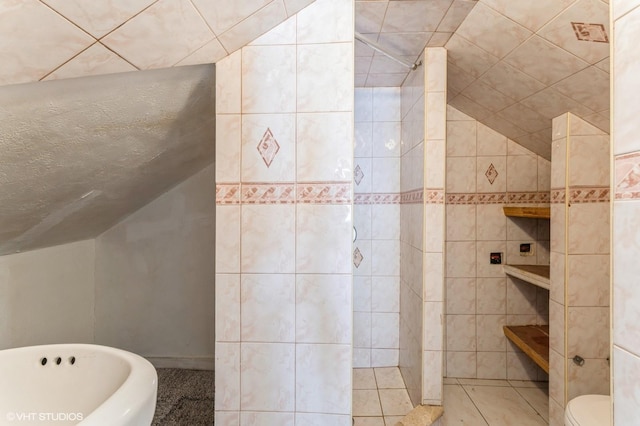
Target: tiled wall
point(284, 155)
point(579, 296)
point(412, 233)
point(626, 212)
point(485, 171)
point(376, 257)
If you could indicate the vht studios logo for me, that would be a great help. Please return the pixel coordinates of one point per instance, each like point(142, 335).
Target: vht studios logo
point(43, 417)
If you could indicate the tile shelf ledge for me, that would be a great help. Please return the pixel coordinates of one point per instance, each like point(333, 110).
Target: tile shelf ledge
point(537, 275)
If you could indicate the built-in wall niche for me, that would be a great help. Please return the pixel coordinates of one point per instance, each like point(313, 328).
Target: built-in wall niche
point(532, 339)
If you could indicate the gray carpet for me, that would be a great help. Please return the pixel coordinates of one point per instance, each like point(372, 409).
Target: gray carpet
point(185, 397)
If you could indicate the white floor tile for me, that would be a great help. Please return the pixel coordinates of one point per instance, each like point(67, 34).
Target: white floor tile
point(501, 405)
point(366, 403)
point(369, 421)
point(363, 378)
point(395, 402)
point(459, 409)
point(538, 398)
point(389, 378)
point(483, 382)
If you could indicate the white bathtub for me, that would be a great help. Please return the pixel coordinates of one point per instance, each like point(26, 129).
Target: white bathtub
point(89, 385)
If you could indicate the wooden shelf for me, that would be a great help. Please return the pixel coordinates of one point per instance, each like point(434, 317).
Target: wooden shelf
point(533, 340)
point(534, 274)
point(531, 212)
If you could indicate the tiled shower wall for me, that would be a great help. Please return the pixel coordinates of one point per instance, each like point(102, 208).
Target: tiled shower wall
point(485, 171)
point(376, 258)
point(579, 304)
point(626, 212)
point(284, 152)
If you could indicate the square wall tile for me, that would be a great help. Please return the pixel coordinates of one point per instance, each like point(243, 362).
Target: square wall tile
point(492, 296)
point(228, 147)
point(229, 84)
point(323, 378)
point(268, 147)
point(318, 90)
point(227, 378)
point(461, 222)
point(461, 364)
point(227, 239)
point(268, 238)
point(267, 377)
point(461, 138)
point(460, 259)
point(385, 294)
point(588, 229)
point(323, 239)
point(267, 73)
point(588, 280)
point(522, 173)
point(384, 357)
point(386, 104)
point(490, 333)
point(268, 307)
point(384, 330)
point(324, 146)
point(589, 161)
point(492, 222)
point(492, 365)
point(626, 369)
point(228, 307)
point(461, 333)
point(323, 309)
point(588, 332)
point(461, 174)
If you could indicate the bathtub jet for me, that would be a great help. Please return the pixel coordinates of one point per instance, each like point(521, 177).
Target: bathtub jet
point(76, 384)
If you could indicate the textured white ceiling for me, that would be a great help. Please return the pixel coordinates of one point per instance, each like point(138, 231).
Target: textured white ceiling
point(76, 156)
point(513, 65)
point(54, 39)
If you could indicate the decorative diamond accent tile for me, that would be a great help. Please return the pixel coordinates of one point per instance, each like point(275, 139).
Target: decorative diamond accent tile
point(590, 32)
point(268, 147)
point(491, 174)
point(357, 257)
point(358, 175)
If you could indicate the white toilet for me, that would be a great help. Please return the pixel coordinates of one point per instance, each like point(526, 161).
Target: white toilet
point(588, 410)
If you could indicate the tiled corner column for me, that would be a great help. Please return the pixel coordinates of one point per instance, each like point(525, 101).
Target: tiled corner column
point(284, 149)
point(434, 223)
point(579, 295)
point(626, 212)
point(411, 233)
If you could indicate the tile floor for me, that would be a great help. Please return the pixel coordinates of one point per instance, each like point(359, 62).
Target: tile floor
point(495, 402)
point(381, 399)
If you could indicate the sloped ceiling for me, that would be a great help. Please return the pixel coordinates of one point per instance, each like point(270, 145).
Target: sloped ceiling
point(77, 156)
point(513, 65)
point(55, 39)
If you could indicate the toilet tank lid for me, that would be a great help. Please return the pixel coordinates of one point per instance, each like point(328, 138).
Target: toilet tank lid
point(590, 410)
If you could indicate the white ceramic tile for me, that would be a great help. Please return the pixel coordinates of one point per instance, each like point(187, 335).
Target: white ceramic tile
point(492, 365)
point(521, 297)
point(267, 377)
point(492, 296)
point(361, 294)
point(461, 138)
point(227, 239)
point(248, 418)
point(262, 128)
point(231, 418)
point(284, 33)
point(589, 161)
point(93, 61)
point(386, 174)
point(315, 419)
point(592, 378)
point(385, 294)
point(583, 236)
point(511, 405)
point(461, 295)
point(588, 283)
point(323, 309)
point(491, 179)
point(385, 221)
point(221, 17)
point(469, 57)
point(40, 41)
point(395, 402)
point(324, 146)
point(364, 378)
point(490, 333)
point(366, 402)
point(534, 16)
point(389, 378)
point(460, 364)
point(384, 357)
point(511, 82)
point(228, 147)
point(273, 321)
point(460, 259)
point(326, 21)
point(160, 36)
point(588, 332)
point(544, 61)
point(459, 409)
point(435, 104)
point(386, 139)
point(229, 84)
point(522, 173)
point(626, 367)
point(384, 330)
point(268, 238)
point(433, 326)
point(362, 330)
point(267, 76)
point(484, 268)
point(461, 333)
point(461, 174)
point(323, 379)
point(493, 223)
point(323, 239)
point(227, 307)
point(318, 90)
point(227, 380)
point(255, 25)
point(209, 53)
point(414, 15)
point(520, 367)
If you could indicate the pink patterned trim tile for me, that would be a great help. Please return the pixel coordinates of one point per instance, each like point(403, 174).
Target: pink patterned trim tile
point(434, 196)
point(268, 193)
point(491, 198)
point(558, 196)
point(462, 198)
point(590, 32)
point(498, 198)
point(412, 197)
point(598, 194)
point(627, 177)
point(324, 192)
point(377, 198)
point(228, 193)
